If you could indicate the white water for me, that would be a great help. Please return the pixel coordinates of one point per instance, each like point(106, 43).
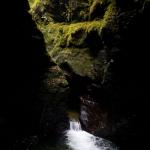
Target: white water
point(77, 139)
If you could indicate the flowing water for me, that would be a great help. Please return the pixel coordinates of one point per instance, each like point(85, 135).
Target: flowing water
point(77, 139)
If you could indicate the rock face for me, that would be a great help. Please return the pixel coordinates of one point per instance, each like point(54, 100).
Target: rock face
point(25, 110)
point(94, 118)
point(54, 93)
point(95, 44)
point(73, 44)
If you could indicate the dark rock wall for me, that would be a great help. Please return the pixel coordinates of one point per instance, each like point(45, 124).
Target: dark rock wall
point(134, 79)
point(23, 62)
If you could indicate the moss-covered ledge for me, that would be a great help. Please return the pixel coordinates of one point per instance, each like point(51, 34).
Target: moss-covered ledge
point(69, 42)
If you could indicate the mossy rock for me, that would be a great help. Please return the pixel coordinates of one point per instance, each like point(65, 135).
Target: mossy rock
point(55, 82)
point(68, 43)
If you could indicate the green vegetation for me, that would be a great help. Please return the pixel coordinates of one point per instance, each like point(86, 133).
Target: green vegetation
point(66, 41)
point(33, 3)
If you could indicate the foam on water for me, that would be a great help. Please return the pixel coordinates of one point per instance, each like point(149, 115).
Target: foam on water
point(77, 139)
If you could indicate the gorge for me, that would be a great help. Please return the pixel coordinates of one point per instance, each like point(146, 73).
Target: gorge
point(81, 59)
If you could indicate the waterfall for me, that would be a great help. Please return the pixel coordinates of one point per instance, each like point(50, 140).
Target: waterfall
point(78, 139)
point(75, 126)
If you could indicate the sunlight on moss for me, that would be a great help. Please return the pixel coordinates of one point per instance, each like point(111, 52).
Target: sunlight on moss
point(33, 3)
point(66, 41)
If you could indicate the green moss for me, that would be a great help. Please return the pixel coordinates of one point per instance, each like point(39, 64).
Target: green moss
point(109, 19)
point(33, 3)
point(66, 42)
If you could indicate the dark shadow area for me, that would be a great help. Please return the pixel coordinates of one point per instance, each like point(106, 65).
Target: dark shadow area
point(94, 43)
point(132, 72)
point(22, 65)
point(77, 86)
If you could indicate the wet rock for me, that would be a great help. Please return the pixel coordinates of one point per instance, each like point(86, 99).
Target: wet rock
point(94, 118)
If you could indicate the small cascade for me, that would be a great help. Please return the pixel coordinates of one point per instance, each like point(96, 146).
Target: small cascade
point(77, 139)
point(75, 125)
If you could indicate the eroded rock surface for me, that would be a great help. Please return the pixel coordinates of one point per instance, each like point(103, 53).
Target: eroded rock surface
point(100, 46)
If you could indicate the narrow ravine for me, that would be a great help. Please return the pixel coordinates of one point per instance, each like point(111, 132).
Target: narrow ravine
point(78, 139)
